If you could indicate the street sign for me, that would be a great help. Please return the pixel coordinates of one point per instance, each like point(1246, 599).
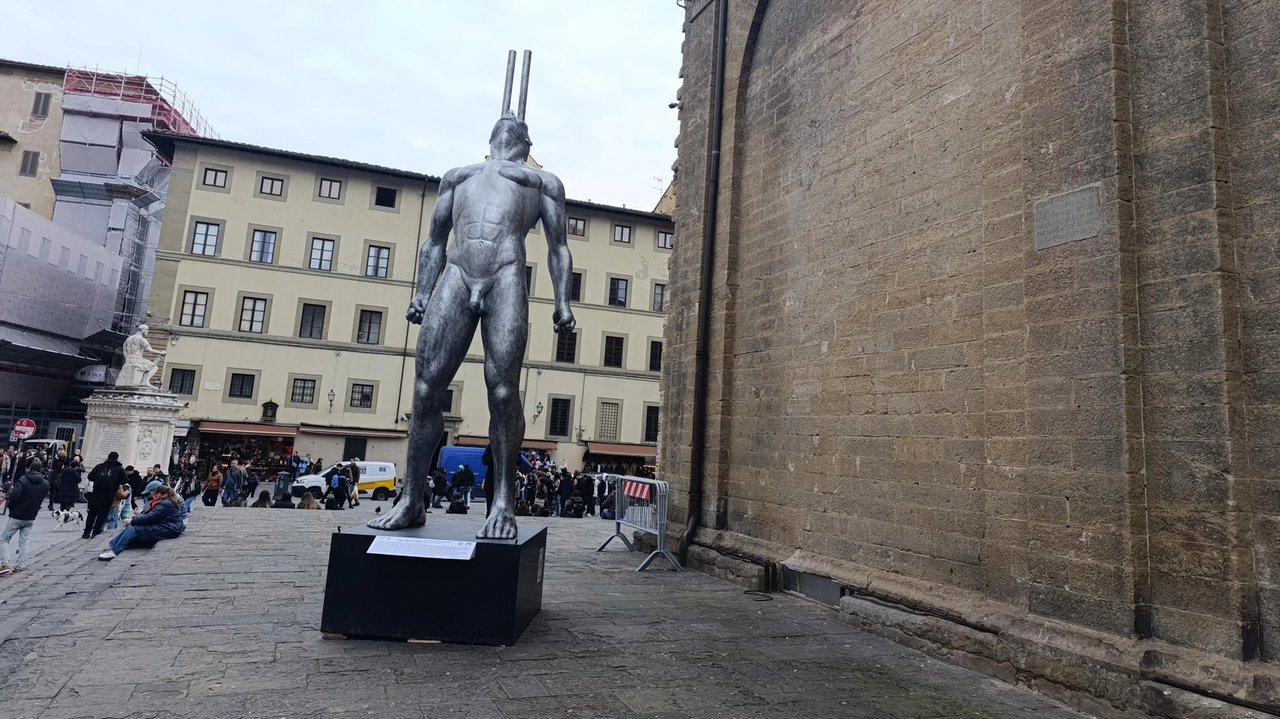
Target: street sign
point(23, 429)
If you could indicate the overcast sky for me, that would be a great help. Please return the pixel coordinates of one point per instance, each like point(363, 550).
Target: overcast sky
point(414, 84)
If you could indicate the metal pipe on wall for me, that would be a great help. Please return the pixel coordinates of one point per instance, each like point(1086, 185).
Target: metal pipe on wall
point(702, 359)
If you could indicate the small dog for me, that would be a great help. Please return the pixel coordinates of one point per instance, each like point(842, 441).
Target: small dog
point(67, 518)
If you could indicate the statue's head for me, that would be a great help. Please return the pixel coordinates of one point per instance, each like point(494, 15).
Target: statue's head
point(143, 329)
point(510, 139)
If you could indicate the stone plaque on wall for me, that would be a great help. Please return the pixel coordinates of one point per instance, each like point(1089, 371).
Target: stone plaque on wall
point(1070, 216)
point(111, 439)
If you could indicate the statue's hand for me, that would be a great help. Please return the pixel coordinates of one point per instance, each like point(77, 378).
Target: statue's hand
point(563, 319)
point(163, 353)
point(417, 308)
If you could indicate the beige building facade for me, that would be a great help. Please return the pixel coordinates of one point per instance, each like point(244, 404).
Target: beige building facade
point(30, 125)
point(280, 289)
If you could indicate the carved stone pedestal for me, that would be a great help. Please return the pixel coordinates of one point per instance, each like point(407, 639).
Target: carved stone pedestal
point(137, 423)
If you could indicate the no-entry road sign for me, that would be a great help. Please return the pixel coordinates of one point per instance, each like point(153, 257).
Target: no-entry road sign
point(23, 429)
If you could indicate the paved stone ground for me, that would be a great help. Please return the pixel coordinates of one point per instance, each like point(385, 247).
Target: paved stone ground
point(224, 622)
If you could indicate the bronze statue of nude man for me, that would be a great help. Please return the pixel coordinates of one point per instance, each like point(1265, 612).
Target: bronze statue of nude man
point(490, 207)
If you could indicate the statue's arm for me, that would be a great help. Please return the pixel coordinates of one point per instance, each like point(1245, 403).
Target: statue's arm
point(431, 257)
point(559, 260)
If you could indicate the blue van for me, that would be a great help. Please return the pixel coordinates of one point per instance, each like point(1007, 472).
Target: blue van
point(451, 458)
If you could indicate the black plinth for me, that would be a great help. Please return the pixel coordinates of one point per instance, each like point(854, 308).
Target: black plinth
point(488, 599)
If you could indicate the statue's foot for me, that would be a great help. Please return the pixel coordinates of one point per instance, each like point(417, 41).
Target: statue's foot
point(402, 516)
point(500, 525)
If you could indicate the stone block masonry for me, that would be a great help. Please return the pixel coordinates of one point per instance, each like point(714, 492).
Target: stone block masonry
point(992, 324)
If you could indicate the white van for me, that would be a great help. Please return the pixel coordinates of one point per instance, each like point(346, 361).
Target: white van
point(377, 481)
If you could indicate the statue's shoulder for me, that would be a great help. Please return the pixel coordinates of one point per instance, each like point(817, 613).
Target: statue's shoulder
point(460, 174)
point(551, 185)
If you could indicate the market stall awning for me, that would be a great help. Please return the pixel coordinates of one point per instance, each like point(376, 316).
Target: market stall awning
point(248, 428)
point(472, 440)
point(647, 451)
point(353, 431)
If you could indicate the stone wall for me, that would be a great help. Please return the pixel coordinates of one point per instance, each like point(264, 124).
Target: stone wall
point(992, 316)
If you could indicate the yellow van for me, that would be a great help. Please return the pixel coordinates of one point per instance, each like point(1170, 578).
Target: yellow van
point(377, 481)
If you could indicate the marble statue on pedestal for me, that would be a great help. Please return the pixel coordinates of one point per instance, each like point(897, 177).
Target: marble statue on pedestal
point(137, 370)
point(490, 207)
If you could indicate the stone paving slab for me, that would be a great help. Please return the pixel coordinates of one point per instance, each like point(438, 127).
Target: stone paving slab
point(224, 622)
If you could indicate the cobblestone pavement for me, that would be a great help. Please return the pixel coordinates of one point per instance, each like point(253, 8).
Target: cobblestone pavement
point(224, 622)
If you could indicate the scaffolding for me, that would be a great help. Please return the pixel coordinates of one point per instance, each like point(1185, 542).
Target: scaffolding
point(170, 109)
point(112, 182)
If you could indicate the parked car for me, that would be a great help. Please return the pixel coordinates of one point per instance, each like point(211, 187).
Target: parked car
point(377, 481)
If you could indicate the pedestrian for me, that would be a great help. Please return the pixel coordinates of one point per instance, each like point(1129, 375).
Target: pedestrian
point(607, 506)
point(232, 482)
point(457, 506)
point(25, 501)
point(486, 484)
point(104, 479)
point(463, 480)
point(55, 476)
point(6, 463)
point(212, 486)
point(69, 486)
point(586, 488)
point(353, 474)
point(136, 483)
point(439, 487)
point(162, 519)
point(308, 502)
point(121, 507)
point(566, 490)
point(263, 501)
point(574, 508)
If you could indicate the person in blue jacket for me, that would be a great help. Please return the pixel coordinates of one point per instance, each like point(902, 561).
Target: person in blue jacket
point(162, 519)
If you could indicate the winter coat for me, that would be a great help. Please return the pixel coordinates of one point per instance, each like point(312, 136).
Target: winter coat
point(105, 478)
point(69, 486)
point(160, 520)
point(27, 496)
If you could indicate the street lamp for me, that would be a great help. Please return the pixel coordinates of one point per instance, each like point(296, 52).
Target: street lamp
point(332, 396)
point(537, 412)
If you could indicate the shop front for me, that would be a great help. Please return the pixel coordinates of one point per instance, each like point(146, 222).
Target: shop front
point(618, 458)
point(264, 448)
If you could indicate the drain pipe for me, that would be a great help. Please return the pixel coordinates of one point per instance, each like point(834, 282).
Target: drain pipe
point(702, 360)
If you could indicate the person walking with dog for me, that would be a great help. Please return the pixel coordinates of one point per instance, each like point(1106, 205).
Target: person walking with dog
point(104, 479)
point(25, 500)
point(68, 491)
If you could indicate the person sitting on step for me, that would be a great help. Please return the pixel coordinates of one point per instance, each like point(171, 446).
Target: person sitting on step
point(162, 519)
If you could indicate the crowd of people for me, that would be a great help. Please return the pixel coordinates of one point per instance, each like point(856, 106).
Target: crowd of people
point(148, 506)
point(144, 507)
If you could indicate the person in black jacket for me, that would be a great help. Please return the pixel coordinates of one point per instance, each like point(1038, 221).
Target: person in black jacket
point(69, 487)
point(104, 479)
point(487, 484)
point(25, 500)
point(439, 487)
point(586, 487)
point(463, 480)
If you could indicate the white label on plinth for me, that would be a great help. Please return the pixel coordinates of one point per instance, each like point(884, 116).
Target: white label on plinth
point(425, 548)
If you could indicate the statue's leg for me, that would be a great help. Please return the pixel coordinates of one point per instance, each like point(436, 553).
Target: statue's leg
point(447, 328)
point(504, 330)
point(152, 368)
